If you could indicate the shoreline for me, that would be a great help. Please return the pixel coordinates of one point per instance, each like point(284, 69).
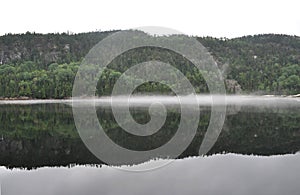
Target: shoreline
point(100, 97)
point(29, 98)
point(146, 101)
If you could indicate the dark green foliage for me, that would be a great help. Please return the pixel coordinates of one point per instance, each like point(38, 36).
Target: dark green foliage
point(27, 79)
point(44, 66)
point(259, 62)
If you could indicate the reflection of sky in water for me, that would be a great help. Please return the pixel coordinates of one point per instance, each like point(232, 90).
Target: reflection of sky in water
point(218, 174)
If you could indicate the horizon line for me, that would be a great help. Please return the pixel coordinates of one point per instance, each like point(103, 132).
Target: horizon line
point(116, 30)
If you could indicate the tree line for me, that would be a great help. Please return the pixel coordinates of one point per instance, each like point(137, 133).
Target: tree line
point(264, 64)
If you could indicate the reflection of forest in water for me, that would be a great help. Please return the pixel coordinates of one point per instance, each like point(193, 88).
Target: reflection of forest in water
point(45, 134)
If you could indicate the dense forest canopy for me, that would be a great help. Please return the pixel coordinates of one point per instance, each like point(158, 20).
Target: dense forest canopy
point(44, 65)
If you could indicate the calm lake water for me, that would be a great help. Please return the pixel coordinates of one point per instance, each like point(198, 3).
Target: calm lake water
point(256, 152)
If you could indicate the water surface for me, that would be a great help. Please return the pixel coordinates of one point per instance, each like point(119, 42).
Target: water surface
point(256, 152)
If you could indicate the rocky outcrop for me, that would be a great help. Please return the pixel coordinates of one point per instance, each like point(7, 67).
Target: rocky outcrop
point(48, 48)
point(232, 86)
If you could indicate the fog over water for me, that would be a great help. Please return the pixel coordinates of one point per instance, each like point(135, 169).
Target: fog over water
point(145, 101)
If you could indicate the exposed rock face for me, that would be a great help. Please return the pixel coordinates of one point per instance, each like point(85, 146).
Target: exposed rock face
point(233, 86)
point(48, 48)
point(22, 51)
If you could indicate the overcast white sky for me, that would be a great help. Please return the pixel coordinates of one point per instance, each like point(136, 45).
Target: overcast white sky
point(217, 18)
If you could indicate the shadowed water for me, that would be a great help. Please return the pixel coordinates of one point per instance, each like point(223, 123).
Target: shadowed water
point(43, 133)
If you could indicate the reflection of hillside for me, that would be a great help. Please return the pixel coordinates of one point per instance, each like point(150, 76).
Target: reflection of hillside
point(44, 150)
point(45, 134)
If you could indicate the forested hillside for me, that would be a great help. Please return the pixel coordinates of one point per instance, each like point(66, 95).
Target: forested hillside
point(44, 66)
